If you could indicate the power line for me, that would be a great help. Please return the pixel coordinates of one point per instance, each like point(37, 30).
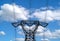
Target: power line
point(29, 13)
point(14, 16)
point(45, 29)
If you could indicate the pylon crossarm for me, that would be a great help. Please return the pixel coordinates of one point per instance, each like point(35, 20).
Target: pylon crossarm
point(16, 24)
point(43, 24)
point(32, 27)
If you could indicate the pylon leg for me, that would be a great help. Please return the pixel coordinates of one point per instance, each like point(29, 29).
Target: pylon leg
point(30, 37)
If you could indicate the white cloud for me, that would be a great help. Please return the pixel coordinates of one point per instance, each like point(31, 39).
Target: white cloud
point(40, 29)
point(7, 12)
point(49, 14)
point(45, 8)
point(2, 33)
point(19, 39)
point(50, 34)
point(45, 39)
point(40, 32)
point(57, 33)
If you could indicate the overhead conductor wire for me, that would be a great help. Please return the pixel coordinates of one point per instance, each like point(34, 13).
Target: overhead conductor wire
point(45, 29)
point(14, 18)
point(30, 12)
point(29, 6)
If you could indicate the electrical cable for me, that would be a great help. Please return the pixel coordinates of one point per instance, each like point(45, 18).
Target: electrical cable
point(29, 13)
point(45, 29)
point(13, 3)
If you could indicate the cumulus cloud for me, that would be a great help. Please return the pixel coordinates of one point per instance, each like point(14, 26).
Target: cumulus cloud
point(7, 13)
point(19, 39)
point(47, 15)
point(50, 34)
point(2, 33)
point(10, 12)
point(41, 31)
point(45, 39)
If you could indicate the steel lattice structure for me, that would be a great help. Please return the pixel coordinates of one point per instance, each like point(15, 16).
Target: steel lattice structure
point(30, 33)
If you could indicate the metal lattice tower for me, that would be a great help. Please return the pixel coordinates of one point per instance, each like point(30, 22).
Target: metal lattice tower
point(29, 33)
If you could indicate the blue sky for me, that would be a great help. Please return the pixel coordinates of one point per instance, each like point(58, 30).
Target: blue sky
point(9, 30)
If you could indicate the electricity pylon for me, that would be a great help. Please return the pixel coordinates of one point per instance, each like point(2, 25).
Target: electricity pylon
point(29, 33)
